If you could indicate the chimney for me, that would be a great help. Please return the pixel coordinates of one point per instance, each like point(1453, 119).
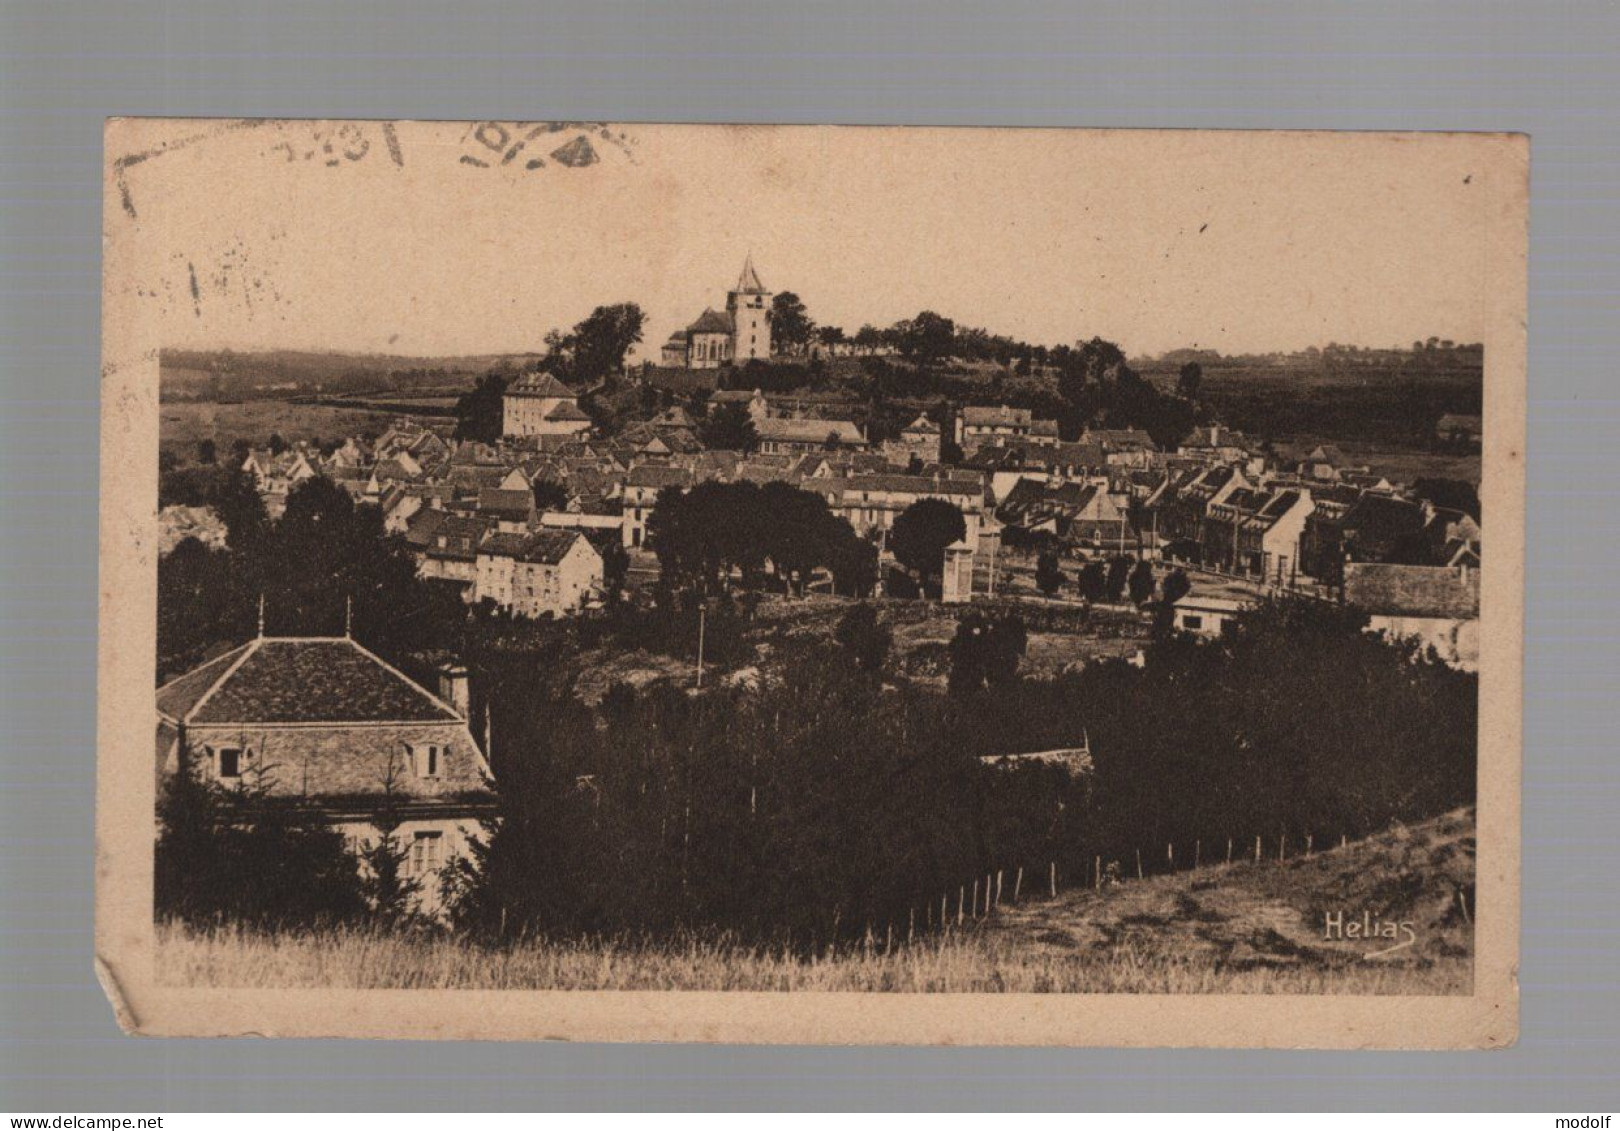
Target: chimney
point(453, 687)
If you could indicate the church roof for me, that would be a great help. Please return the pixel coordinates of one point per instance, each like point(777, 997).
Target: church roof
point(748, 282)
point(711, 321)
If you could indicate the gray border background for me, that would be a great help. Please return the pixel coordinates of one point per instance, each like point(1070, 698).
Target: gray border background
point(1548, 69)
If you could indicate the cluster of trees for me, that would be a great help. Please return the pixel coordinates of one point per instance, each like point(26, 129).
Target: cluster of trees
point(1110, 580)
point(324, 563)
point(729, 427)
point(821, 801)
point(804, 809)
point(777, 531)
point(241, 856)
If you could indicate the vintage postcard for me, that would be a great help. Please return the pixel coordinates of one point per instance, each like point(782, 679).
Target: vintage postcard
point(595, 581)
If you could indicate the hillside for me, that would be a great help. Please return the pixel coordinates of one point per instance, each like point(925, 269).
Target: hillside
point(1238, 929)
point(1273, 916)
point(228, 375)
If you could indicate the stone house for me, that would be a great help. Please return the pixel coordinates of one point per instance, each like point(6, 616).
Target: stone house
point(324, 725)
point(919, 440)
point(1434, 606)
point(978, 425)
point(550, 572)
point(538, 404)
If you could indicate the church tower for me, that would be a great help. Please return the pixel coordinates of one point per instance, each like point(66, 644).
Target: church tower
point(749, 305)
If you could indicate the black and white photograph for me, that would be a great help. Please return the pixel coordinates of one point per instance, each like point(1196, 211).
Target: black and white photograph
point(799, 568)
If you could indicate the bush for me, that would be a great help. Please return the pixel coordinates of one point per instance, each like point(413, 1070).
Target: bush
point(863, 638)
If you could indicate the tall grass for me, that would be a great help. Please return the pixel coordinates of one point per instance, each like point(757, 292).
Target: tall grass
point(971, 960)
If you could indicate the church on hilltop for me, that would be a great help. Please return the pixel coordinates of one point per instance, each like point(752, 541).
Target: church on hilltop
point(741, 333)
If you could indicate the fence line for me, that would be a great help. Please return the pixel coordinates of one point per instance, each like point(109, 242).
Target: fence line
point(1094, 877)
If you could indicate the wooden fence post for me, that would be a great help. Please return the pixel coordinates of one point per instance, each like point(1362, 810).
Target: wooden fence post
point(1309, 839)
point(1344, 839)
point(961, 897)
point(1170, 855)
point(1198, 853)
point(1052, 875)
point(1257, 850)
point(1282, 847)
point(1098, 866)
point(975, 897)
point(1139, 863)
point(1229, 850)
point(911, 924)
point(1018, 883)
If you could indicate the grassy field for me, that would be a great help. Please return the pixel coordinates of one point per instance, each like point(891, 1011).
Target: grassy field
point(1242, 928)
point(183, 423)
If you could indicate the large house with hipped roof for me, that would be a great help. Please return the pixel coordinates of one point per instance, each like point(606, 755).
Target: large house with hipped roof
point(325, 725)
point(537, 404)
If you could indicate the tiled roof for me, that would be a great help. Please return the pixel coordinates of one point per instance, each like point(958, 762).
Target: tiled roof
point(987, 415)
point(658, 475)
point(711, 322)
point(539, 385)
point(809, 431)
point(1411, 591)
point(273, 680)
point(547, 547)
point(506, 503)
point(566, 410)
point(179, 696)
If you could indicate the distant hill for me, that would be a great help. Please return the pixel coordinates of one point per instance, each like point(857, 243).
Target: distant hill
point(230, 375)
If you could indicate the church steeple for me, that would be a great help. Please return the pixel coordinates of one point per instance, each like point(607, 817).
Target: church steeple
point(748, 282)
point(750, 308)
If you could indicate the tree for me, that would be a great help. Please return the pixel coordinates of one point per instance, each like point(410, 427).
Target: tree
point(1093, 581)
point(1176, 586)
point(861, 636)
point(241, 508)
point(791, 326)
point(244, 856)
point(479, 412)
point(922, 531)
point(615, 563)
point(206, 452)
point(549, 495)
point(985, 652)
point(1141, 586)
point(597, 346)
point(926, 339)
point(729, 427)
point(1083, 370)
point(830, 336)
point(1048, 573)
point(1119, 572)
point(1187, 384)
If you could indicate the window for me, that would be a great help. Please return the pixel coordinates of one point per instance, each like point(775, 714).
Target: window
point(228, 762)
point(426, 853)
point(426, 760)
point(1191, 623)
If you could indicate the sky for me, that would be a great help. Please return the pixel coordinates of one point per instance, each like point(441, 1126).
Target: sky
point(448, 238)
